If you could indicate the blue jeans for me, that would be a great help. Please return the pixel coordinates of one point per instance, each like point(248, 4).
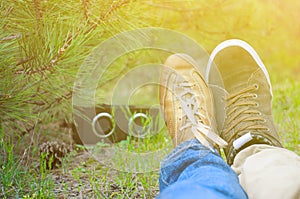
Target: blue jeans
point(193, 171)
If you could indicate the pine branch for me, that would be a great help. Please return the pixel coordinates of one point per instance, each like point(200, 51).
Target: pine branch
point(57, 100)
point(38, 11)
point(85, 9)
point(47, 44)
point(113, 8)
point(11, 37)
point(23, 61)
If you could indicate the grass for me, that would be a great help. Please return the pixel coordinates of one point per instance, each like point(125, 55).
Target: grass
point(80, 175)
point(286, 110)
point(84, 176)
point(18, 178)
point(22, 175)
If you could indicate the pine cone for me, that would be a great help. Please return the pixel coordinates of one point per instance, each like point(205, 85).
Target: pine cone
point(53, 152)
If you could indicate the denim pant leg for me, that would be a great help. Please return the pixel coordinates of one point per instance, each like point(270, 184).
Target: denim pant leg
point(193, 171)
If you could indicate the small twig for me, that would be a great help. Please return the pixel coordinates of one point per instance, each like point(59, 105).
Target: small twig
point(38, 11)
point(33, 129)
point(11, 37)
point(35, 94)
point(39, 103)
point(23, 61)
point(114, 6)
point(85, 9)
point(56, 100)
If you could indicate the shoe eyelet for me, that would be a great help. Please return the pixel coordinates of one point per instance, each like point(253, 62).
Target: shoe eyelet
point(259, 113)
point(256, 104)
point(268, 129)
point(255, 95)
point(256, 86)
point(265, 120)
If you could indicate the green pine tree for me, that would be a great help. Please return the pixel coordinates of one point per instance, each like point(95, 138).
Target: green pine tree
point(43, 43)
point(42, 46)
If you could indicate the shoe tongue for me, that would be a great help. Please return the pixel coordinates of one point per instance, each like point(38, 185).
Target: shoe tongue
point(235, 81)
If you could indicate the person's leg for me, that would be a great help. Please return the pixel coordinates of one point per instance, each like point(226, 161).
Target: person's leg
point(194, 171)
point(268, 172)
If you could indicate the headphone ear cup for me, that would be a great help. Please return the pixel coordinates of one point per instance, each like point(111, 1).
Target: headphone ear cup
point(111, 123)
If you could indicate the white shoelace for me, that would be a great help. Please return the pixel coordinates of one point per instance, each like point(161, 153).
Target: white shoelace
point(191, 107)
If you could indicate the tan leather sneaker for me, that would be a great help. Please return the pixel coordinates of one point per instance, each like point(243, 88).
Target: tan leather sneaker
point(187, 103)
point(246, 98)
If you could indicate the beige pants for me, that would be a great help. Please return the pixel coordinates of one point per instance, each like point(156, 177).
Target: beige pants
point(268, 172)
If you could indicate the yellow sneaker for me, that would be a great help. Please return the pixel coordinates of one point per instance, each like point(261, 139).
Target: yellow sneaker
point(187, 103)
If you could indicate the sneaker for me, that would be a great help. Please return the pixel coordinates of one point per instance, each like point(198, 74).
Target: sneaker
point(246, 102)
point(187, 103)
